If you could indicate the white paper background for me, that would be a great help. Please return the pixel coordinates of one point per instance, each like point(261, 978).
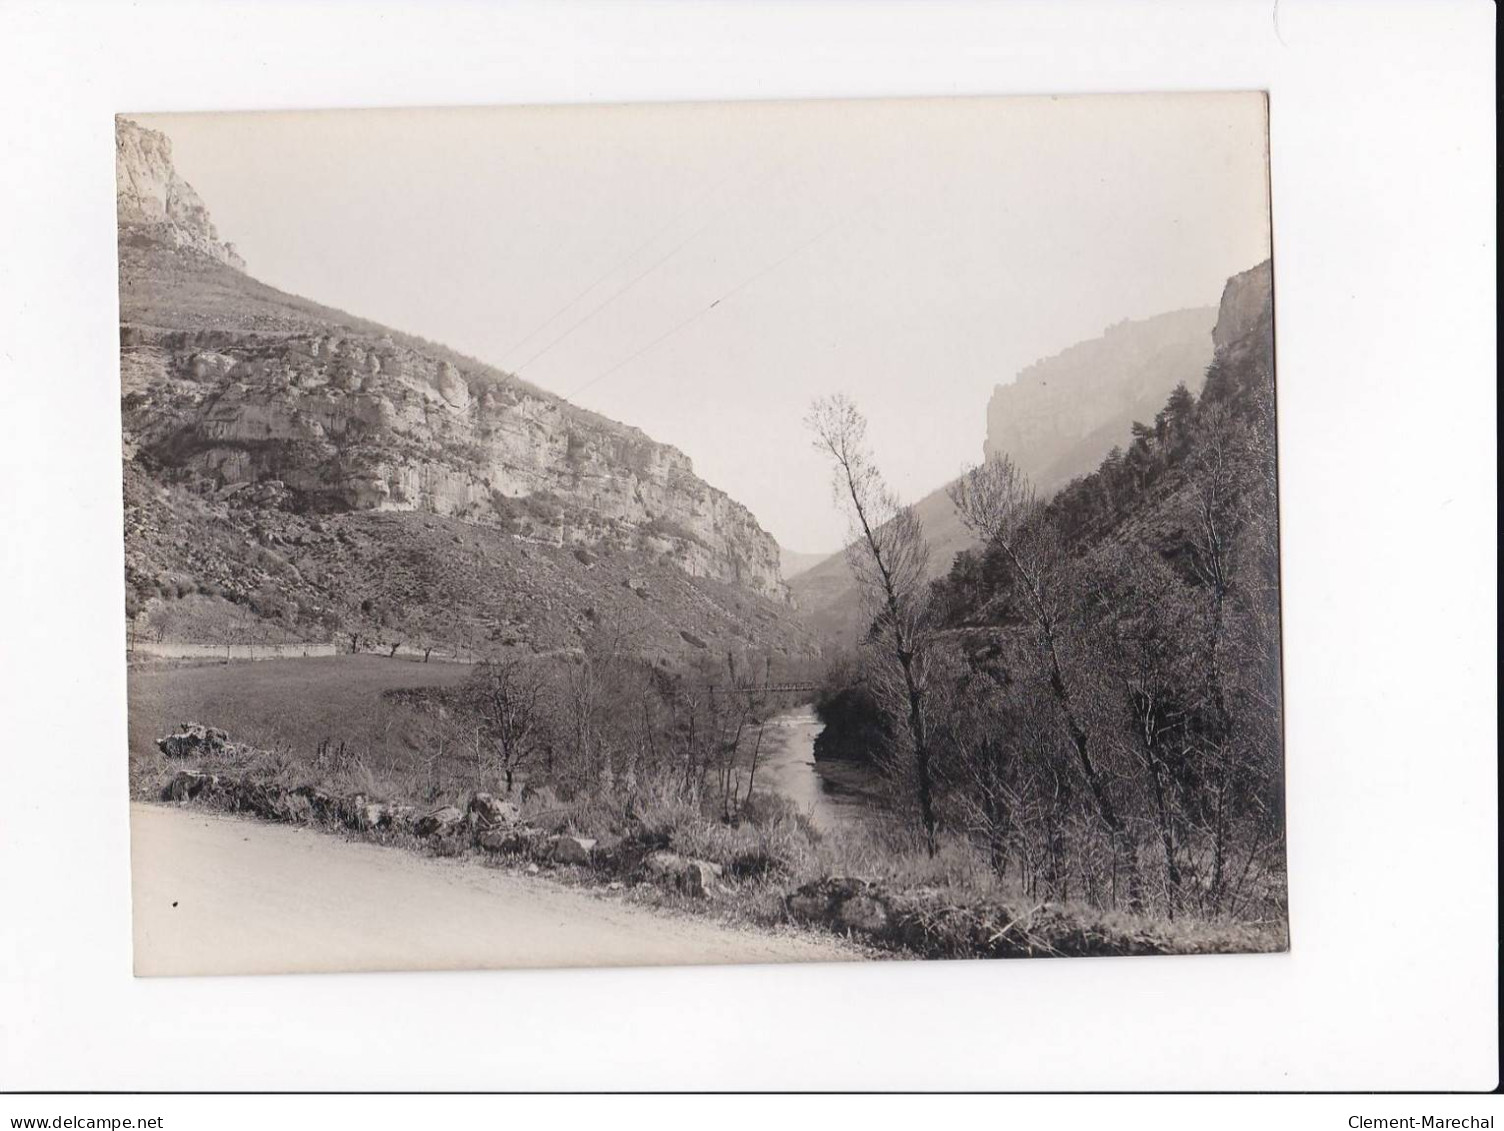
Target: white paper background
point(1383, 157)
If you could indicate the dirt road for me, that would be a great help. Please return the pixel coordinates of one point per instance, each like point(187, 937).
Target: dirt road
point(220, 895)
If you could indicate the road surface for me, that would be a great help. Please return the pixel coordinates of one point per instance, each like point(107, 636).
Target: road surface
point(222, 895)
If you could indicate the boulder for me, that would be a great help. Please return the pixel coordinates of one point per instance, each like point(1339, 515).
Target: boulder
point(697, 878)
point(661, 866)
point(194, 740)
point(322, 803)
point(272, 802)
point(700, 879)
point(369, 814)
point(570, 849)
point(842, 904)
point(187, 784)
point(440, 822)
point(865, 913)
point(614, 853)
point(267, 491)
point(488, 812)
point(516, 839)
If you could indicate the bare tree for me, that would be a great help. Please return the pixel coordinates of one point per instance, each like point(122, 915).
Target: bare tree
point(510, 702)
point(888, 559)
point(997, 502)
point(599, 701)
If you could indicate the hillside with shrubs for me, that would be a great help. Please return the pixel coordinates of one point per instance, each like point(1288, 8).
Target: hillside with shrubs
point(1090, 700)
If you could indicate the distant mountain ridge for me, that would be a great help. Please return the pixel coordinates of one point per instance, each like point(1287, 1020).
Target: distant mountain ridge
point(827, 595)
point(1058, 420)
point(275, 408)
point(794, 563)
point(1061, 415)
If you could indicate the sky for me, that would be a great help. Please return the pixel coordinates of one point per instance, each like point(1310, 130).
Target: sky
point(703, 271)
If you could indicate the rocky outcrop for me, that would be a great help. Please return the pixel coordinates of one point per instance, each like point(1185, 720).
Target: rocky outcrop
point(194, 740)
point(1063, 414)
point(1247, 299)
point(153, 202)
point(487, 812)
point(1058, 420)
point(565, 849)
point(444, 821)
point(236, 387)
point(333, 422)
point(698, 879)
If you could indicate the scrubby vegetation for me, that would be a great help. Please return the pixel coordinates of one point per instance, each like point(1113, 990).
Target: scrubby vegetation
point(221, 569)
point(640, 758)
point(1091, 699)
point(1077, 729)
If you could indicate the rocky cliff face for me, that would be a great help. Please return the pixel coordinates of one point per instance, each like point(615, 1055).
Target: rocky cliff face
point(1061, 415)
point(247, 391)
point(1247, 300)
point(1058, 420)
point(154, 203)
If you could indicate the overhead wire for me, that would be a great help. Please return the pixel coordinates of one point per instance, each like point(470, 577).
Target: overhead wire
point(703, 311)
point(622, 262)
point(632, 282)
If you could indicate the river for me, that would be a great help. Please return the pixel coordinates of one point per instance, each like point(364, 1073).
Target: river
point(835, 795)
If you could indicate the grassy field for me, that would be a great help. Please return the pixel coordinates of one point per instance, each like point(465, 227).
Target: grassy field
point(287, 705)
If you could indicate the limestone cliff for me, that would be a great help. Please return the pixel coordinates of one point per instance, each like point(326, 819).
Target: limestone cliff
point(1058, 420)
point(154, 203)
point(251, 392)
point(1247, 300)
point(1061, 415)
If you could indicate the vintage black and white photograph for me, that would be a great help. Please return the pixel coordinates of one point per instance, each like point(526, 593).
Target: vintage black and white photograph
point(701, 533)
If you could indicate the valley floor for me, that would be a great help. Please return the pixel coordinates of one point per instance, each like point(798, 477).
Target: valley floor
point(220, 895)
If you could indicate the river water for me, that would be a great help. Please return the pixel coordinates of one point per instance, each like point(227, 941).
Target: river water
point(834, 795)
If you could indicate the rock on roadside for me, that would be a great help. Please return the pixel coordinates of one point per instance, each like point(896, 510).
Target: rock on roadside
point(571, 849)
point(489, 812)
point(194, 740)
point(697, 878)
point(440, 822)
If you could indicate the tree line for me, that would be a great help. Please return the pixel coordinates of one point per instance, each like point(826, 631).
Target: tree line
point(1091, 697)
point(612, 725)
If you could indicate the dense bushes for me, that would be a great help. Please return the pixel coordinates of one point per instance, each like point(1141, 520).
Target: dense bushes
point(856, 729)
point(607, 725)
point(1092, 697)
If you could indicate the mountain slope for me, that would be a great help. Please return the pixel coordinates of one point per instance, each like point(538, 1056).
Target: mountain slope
point(793, 563)
point(827, 597)
point(1061, 415)
point(1212, 451)
point(274, 413)
point(1057, 420)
